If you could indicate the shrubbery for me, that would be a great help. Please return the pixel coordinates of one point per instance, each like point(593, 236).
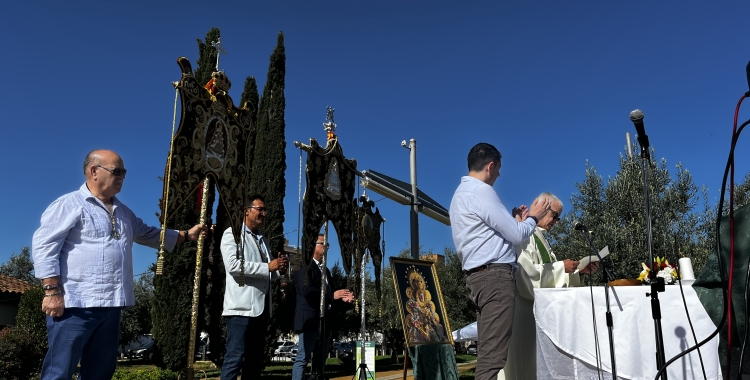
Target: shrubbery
point(23, 346)
point(158, 374)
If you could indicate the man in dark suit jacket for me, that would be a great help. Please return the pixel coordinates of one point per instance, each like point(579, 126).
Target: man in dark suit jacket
point(307, 312)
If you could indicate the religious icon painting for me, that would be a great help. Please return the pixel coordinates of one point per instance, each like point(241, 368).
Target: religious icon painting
point(420, 301)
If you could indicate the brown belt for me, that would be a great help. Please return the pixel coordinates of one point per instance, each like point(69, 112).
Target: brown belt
point(483, 267)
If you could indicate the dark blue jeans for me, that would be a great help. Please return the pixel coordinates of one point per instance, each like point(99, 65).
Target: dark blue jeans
point(88, 335)
point(246, 341)
point(305, 348)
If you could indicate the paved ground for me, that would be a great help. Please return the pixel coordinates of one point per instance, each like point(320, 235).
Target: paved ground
point(393, 375)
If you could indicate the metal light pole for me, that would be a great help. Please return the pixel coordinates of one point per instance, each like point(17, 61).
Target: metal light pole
point(414, 214)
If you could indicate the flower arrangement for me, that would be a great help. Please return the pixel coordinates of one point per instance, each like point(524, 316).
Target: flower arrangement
point(665, 270)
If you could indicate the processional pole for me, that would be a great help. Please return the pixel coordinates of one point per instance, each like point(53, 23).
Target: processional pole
point(322, 326)
point(197, 283)
point(362, 371)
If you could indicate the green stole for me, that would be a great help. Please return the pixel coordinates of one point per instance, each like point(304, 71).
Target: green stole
point(542, 250)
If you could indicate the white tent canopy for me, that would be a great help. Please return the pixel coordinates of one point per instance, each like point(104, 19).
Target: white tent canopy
point(466, 333)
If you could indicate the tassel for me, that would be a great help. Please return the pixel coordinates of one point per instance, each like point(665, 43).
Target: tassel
point(160, 263)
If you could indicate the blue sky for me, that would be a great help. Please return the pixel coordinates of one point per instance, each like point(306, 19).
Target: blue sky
point(549, 83)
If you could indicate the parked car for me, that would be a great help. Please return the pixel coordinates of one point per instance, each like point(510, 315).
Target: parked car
point(293, 352)
point(346, 351)
point(472, 350)
point(145, 352)
point(283, 348)
point(142, 340)
point(203, 346)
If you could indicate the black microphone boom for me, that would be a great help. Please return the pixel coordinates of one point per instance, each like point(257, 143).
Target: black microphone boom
point(747, 73)
point(636, 116)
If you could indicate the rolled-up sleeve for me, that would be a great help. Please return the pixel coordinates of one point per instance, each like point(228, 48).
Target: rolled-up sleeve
point(57, 221)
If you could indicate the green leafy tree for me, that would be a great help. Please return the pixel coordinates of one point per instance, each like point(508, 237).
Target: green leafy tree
point(20, 266)
point(136, 320)
point(707, 219)
point(458, 305)
point(615, 211)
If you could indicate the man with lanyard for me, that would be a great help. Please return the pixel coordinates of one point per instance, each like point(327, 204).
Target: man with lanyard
point(484, 233)
point(307, 312)
point(539, 268)
point(247, 309)
point(83, 252)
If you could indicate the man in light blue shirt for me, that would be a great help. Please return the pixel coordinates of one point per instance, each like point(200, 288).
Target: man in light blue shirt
point(484, 233)
point(83, 254)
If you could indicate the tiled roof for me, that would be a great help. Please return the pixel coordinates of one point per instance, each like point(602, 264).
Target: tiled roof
point(13, 285)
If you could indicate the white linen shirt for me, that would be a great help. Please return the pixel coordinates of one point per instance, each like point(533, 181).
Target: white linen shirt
point(484, 232)
point(75, 242)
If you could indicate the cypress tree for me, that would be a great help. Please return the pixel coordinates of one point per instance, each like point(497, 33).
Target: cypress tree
point(250, 99)
point(206, 63)
point(250, 94)
point(267, 175)
point(269, 162)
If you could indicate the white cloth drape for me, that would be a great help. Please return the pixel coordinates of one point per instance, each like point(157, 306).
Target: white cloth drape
point(565, 338)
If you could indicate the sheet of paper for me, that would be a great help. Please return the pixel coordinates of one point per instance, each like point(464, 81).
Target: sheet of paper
point(590, 259)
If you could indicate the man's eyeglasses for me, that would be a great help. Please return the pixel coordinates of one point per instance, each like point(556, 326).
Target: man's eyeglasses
point(261, 210)
point(117, 172)
point(555, 215)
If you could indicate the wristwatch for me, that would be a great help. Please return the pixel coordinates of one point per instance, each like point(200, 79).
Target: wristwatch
point(186, 235)
point(534, 218)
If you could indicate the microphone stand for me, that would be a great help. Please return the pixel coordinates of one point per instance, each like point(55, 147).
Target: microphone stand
point(657, 283)
point(610, 326)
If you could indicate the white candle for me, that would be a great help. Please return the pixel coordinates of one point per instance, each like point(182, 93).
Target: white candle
point(686, 269)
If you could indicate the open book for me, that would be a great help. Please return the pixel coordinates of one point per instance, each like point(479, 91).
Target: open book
point(592, 258)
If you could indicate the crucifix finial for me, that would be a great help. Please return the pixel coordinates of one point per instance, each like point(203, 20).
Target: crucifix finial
point(219, 50)
point(329, 125)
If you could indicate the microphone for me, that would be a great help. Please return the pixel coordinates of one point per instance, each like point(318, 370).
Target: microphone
point(579, 226)
point(636, 116)
point(747, 73)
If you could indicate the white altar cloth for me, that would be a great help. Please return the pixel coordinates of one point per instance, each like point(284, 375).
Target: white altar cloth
point(565, 335)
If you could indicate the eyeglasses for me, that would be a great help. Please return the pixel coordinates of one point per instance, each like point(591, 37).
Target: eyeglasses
point(322, 243)
point(555, 215)
point(261, 210)
point(117, 172)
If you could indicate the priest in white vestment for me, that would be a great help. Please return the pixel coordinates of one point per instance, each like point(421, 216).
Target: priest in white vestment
point(538, 268)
